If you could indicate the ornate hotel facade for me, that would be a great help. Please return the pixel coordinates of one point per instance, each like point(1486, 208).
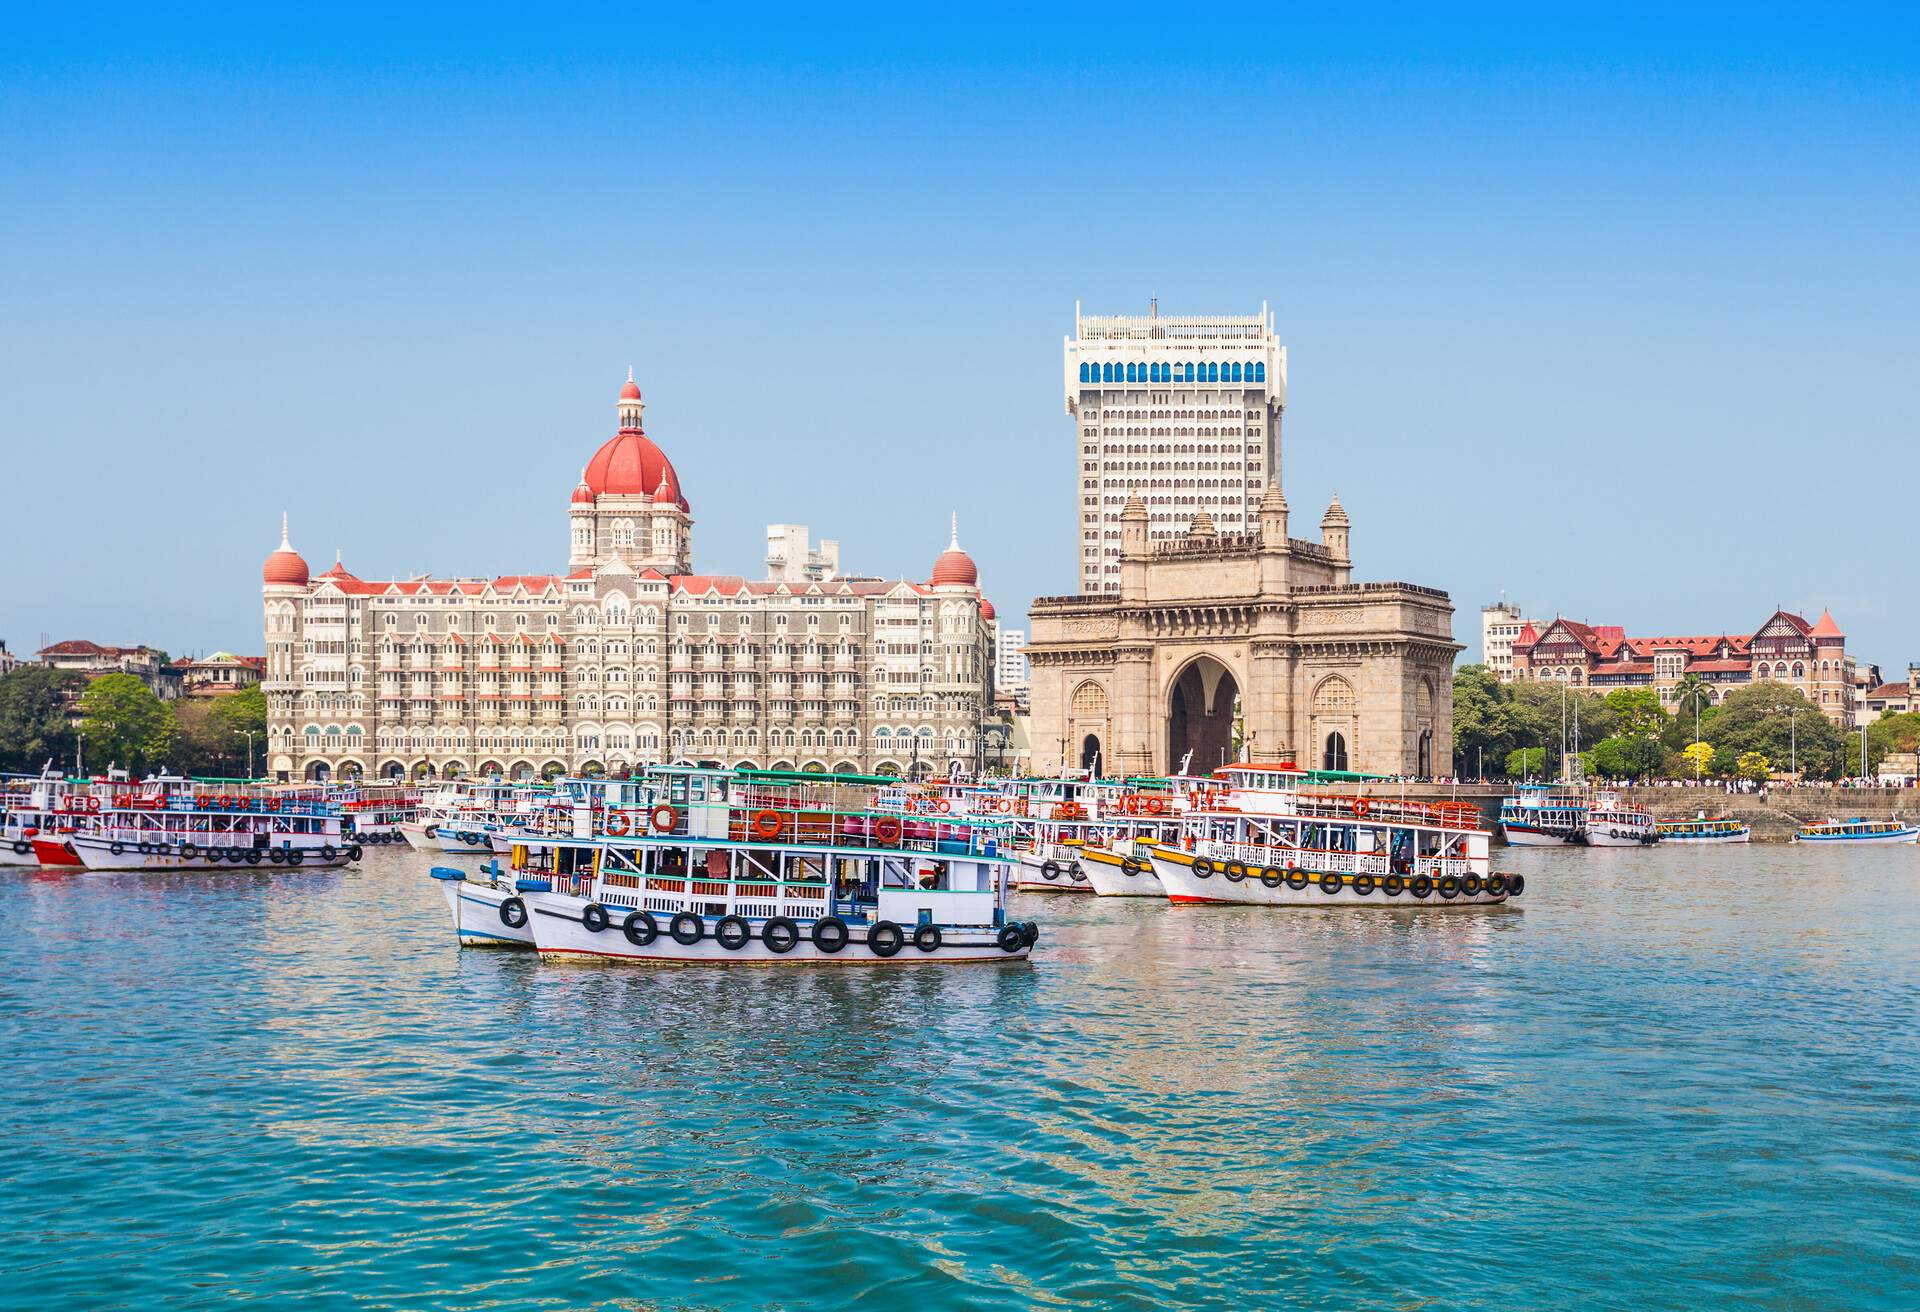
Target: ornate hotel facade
point(627, 658)
point(1208, 642)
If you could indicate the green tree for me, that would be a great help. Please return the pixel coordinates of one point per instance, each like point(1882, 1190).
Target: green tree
point(1626, 756)
point(1484, 726)
point(1780, 723)
point(124, 723)
point(243, 713)
point(36, 717)
point(1890, 733)
point(1637, 712)
point(1526, 762)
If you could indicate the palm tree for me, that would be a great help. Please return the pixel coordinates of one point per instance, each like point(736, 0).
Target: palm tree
point(1692, 690)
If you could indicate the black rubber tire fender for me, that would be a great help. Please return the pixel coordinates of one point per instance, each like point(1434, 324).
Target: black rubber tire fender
point(1329, 884)
point(640, 928)
point(1364, 885)
point(780, 934)
point(1393, 885)
point(687, 929)
point(1011, 938)
point(594, 917)
point(732, 933)
point(1420, 886)
point(513, 913)
point(830, 934)
point(1448, 887)
point(884, 938)
point(1297, 880)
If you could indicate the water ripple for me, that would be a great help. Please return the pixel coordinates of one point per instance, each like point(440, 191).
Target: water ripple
point(1676, 1079)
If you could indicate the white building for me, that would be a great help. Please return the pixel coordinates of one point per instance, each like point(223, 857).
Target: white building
point(1500, 624)
point(791, 560)
point(1183, 410)
point(627, 658)
point(1013, 673)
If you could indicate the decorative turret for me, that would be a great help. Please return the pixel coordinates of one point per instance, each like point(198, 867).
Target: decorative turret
point(1333, 535)
point(631, 407)
point(1333, 530)
point(954, 565)
point(1273, 518)
point(1202, 526)
point(1134, 550)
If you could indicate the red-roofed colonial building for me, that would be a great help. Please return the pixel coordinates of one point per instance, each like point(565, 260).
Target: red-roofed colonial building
point(627, 658)
point(1784, 649)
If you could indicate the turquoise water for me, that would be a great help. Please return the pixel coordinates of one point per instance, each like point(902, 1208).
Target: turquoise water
point(1675, 1079)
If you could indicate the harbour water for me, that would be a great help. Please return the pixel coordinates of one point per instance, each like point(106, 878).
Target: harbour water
point(1671, 1079)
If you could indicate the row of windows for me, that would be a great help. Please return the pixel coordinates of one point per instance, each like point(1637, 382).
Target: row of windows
point(1232, 371)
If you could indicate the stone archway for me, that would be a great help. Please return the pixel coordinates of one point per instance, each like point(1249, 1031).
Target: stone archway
point(1200, 709)
point(1332, 716)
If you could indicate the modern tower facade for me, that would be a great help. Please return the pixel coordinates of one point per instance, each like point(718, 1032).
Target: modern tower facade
point(1182, 410)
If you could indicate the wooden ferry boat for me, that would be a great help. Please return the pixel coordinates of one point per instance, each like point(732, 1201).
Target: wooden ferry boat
point(1611, 822)
point(171, 823)
point(38, 817)
point(1269, 842)
point(1544, 815)
point(1702, 830)
point(692, 865)
point(1857, 830)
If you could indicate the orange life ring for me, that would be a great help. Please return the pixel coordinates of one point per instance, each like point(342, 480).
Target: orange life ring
point(1361, 807)
point(273, 804)
point(93, 805)
point(621, 828)
point(766, 824)
point(1156, 805)
point(224, 802)
point(661, 826)
point(887, 829)
point(943, 806)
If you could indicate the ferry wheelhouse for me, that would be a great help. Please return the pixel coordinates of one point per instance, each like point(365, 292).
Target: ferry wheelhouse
point(1543, 815)
point(1270, 842)
point(1062, 823)
point(375, 812)
point(1702, 830)
point(1611, 822)
point(461, 817)
point(171, 823)
point(1857, 830)
point(686, 865)
point(38, 815)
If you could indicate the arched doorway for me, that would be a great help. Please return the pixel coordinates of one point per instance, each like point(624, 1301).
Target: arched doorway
point(1333, 755)
point(1090, 753)
point(1200, 710)
point(1424, 767)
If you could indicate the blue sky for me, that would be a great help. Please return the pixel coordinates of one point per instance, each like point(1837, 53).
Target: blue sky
point(1613, 312)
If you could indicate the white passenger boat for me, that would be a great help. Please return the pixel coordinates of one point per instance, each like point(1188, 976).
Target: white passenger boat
point(1702, 831)
point(771, 867)
point(1857, 830)
point(38, 814)
point(1269, 842)
point(487, 908)
point(171, 823)
point(1544, 815)
point(1611, 822)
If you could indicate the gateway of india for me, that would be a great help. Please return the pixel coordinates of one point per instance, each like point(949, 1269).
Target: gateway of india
point(1203, 632)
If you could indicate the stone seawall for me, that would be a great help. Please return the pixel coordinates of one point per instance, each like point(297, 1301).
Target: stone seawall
point(1775, 818)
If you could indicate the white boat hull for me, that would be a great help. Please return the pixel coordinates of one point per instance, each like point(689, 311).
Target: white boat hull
point(479, 919)
point(98, 854)
point(1518, 837)
point(559, 931)
point(446, 837)
point(1112, 877)
point(1185, 887)
point(1039, 874)
point(1619, 836)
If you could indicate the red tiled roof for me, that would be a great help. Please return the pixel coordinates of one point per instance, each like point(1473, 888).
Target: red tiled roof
point(1887, 690)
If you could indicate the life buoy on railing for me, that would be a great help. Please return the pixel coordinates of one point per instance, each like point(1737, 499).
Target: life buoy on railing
point(273, 804)
point(663, 818)
point(617, 823)
point(1361, 807)
point(224, 802)
point(766, 824)
point(887, 829)
point(1156, 805)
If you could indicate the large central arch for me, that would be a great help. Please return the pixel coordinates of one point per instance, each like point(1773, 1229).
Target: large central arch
point(1200, 707)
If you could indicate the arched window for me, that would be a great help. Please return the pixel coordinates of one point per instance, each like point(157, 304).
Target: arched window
point(1213, 373)
point(1084, 370)
point(1260, 371)
point(1236, 372)
point(1106, 372)
point(1335, 756)
point(1189, 377)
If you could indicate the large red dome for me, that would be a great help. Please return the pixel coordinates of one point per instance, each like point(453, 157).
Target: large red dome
point(954, 565)
point(630, 465)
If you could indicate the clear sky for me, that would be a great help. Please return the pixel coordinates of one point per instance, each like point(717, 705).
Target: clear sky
point(1614, 312)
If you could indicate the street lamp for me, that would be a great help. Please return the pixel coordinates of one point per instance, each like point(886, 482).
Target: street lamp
point(1793, 740)
point(249, 734)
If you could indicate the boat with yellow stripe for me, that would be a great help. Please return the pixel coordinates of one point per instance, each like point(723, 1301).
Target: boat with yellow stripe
point(1269, 841)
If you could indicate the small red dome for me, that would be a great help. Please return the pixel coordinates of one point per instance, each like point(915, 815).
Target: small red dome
point(954, 565)
point(285, 565)
point(986, 609)
point(582, 494)
point(630, 392)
